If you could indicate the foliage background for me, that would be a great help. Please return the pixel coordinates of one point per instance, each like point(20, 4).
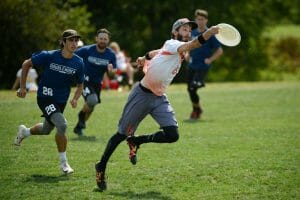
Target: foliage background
point(139, 26)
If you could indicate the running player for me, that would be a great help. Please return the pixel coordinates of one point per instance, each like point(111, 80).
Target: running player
point(60, 69)
point(98, 59)
point(148, 96)
point(200, 61)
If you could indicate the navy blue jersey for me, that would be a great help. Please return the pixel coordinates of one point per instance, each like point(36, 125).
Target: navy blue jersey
point(58, 74)
point(198, 55)
point(95, 63)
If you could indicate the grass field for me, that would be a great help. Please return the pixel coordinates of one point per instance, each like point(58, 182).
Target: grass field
point(246, 146)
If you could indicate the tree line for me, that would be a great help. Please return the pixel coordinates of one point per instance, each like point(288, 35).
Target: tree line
point(139, 26)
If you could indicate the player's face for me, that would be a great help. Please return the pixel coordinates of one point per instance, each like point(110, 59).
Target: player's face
point(184, 33)
point(201, 21)
point(71, 44)
point(102, 40)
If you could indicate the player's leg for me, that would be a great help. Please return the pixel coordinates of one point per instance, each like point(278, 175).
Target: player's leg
point(131, 117)
point(48, 108)
point(38, 129)
point(196, 80)
point(165, 117)
point(60, 123)
point(192, 91)
point(100, 166)
point(91, 96)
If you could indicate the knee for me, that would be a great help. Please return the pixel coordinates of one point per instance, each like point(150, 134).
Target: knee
point(92, 101)
point(59, 122)
point(61, 128)
point(44, 129)
point(191, 89)
point(171, 133)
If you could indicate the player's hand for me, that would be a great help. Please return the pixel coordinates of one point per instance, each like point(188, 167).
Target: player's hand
point(21, 92)
point(207, 61)
point(109, 67)
point(140, 61)
point(73, 103)
point(213, 30)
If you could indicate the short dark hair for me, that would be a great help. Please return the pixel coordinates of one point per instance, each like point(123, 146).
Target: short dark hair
point(103, 30)
point(202, 13)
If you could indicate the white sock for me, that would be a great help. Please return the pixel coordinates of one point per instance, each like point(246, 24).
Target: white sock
point(63, 157)
point(27, 133)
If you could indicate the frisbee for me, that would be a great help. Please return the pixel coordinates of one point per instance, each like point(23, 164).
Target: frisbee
point(228, 35)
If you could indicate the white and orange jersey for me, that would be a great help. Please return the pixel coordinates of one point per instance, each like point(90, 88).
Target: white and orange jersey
point(160, 70)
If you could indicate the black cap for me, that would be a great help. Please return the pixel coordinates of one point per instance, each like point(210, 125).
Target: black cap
point(70, 33)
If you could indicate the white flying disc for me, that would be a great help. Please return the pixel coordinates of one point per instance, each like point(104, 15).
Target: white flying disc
point(228, 35)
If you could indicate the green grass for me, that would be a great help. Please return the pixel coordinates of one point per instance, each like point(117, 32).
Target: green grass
point(246, 146)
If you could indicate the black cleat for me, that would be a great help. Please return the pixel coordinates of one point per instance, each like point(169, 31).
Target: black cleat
point(132, 149)
point(78, 131)
point(100, 177)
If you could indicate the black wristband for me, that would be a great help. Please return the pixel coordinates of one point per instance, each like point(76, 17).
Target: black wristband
point(147, 56)
point(201, 39)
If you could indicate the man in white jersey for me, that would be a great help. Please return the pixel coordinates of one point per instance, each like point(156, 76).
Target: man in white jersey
point(148, 96)
point(31, 85)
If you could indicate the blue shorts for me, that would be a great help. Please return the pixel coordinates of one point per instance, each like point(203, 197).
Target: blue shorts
point(48, 107)
point(196, 77)
point(91, 88)
point(141, 102)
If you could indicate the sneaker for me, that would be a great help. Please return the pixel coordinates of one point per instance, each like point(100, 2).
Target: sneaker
point(78, 131)
point(196, 114)
point(20, 135)
point(100, 177)
point(132, 149)
point(66, 169)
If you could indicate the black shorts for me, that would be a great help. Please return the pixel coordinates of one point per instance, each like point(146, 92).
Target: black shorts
point(196, 78)
point(48, 107)
point(91, 88)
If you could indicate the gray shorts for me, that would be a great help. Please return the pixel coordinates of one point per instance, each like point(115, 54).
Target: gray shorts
point(140, 103)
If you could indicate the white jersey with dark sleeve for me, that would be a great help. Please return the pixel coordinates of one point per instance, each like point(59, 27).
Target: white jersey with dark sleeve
point(161, 69)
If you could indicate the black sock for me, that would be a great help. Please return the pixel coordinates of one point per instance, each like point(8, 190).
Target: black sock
point(81, 119)
point(112, 144)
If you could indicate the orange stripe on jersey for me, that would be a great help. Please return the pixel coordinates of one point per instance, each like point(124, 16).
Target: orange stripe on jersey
point(166, 53)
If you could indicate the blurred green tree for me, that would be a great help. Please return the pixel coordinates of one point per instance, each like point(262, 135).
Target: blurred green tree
point(140, 26)
point(32, 25)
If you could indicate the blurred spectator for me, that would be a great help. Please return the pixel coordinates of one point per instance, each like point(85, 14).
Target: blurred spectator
point(31, 84)
point(80, 44)
point(124, 67)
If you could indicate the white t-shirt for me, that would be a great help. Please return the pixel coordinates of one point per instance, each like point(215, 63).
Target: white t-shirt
point(31, 79)
point(160, 70)
point(121, 61)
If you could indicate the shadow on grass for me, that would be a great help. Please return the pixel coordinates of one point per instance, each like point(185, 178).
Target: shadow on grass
point(39, 178)
point(134, 195)
point(84, 138)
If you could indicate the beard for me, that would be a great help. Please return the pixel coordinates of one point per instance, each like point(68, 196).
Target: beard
point(182, 39)
point(101, 46)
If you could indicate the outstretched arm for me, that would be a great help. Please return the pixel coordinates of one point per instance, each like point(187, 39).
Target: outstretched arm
point(148, 56)
point(199, 41)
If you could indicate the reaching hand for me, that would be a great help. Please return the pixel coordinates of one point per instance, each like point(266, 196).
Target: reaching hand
point(213, 30)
